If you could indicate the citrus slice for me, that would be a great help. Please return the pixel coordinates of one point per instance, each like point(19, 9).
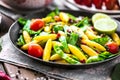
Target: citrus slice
point(105, 25)
point(98, 16)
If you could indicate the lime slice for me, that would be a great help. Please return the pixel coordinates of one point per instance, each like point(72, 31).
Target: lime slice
point(105, 25)
point(98, 16)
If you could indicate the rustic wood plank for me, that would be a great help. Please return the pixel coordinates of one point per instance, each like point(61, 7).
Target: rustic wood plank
point(11, 71)
point(19, 73)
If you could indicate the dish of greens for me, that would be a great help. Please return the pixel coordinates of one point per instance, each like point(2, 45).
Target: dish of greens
point(61, 37)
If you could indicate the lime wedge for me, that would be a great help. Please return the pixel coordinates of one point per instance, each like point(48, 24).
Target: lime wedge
point(98, 16)
point(105, 25)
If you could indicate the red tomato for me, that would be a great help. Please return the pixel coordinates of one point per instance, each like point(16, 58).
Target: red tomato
point(36, 24)
point(112, 47)
point(110, 4)
point(98, 3)
point(35, 50)
point(87, 2)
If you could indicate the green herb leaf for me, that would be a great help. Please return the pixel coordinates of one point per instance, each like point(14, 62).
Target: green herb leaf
point(20, 41)
point(57, 28)
point(101, 41)
point(105, 55)
point(63, 40)
point(83, 22)
point(73, 38)
point(94, 59)
point(71, 16)
point(54, 13)
point(22, 21)
point(64, 56)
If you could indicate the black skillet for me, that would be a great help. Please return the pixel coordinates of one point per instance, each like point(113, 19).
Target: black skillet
point(14, 34)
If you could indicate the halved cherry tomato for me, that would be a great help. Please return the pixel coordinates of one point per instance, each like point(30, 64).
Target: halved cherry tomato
point(112, 47)
point(37, 24)
point(35, 50)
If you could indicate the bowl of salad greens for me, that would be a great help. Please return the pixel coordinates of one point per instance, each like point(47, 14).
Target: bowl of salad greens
point(60, 38)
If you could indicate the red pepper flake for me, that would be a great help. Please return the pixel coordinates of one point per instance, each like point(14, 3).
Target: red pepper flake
point(58, 35)
point(97, 52)
point(82, 61)
point(83, 43)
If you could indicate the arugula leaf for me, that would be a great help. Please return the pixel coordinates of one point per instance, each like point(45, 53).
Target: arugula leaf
point(102, 56)
point(54, 12)
point(105, 55)
point(94, 59)
point(73, 38)
point(20, 41)
point(83, 24)
point(63, 40)
point(22, 21)
point(57, 28)
point(71, 16)
point(101, 41)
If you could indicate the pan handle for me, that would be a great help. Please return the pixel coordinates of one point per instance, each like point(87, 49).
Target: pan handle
point(9, 13)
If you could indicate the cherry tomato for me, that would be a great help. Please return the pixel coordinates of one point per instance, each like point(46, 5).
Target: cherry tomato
point(110, 4)
point(35, 50)
point(37, 24)
point(87, 2)
point(98, 3)
point(58, 35)
point(112, 47)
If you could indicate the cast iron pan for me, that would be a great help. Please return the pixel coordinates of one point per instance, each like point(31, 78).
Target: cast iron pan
point(14, 34)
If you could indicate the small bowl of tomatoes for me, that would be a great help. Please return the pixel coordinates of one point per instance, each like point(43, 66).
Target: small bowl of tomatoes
point(105, 6)
point(108, 4)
